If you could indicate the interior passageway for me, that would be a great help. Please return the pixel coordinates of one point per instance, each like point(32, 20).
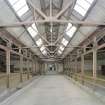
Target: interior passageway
point(42, 42)
point(52, 90)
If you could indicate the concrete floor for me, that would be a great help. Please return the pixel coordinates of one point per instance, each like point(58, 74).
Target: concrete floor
point(52, 90)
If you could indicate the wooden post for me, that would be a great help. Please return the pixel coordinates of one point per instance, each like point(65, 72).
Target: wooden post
point(64, 65)
point(76, 65)
point(8, 67)
point(21, 68)
point(95, 59)
point(82, 68)
point(33, 67)
point(28, 73)
point(21, 65)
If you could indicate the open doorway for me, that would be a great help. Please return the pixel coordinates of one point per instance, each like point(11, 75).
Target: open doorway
point(51, 68)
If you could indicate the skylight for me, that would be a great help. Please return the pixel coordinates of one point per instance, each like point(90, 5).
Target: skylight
point(90, 1)
point(68, 26)
point(61, 48)
point(20, 6)
point(44, 52)
point(59, 51)
point(82, 6)
point(64, 42)
point(71, 31)
point(34, 27)
point(22, 11)
point(32, 32)
point(42, 48)
point(12, 1)
point(51, 30)
point(39, 42)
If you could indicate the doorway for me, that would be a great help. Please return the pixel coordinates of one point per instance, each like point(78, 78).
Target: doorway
point(51, 68)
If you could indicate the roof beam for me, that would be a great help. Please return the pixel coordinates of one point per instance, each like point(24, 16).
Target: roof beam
point(63, 10)
point(48, 20)
point(72, 7)
point(37, 9)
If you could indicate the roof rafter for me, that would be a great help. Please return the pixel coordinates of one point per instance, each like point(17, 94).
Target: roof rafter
point(37, 9)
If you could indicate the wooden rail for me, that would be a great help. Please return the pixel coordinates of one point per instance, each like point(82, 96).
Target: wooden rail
point(90, 80)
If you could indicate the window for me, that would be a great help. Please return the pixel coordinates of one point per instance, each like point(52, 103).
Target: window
point(64, 42)
point(32, 32)
point(71, 31)
point(20, 6)
point(82, 6)
point(39, 42)
point(61, 48)
point(42, 48)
